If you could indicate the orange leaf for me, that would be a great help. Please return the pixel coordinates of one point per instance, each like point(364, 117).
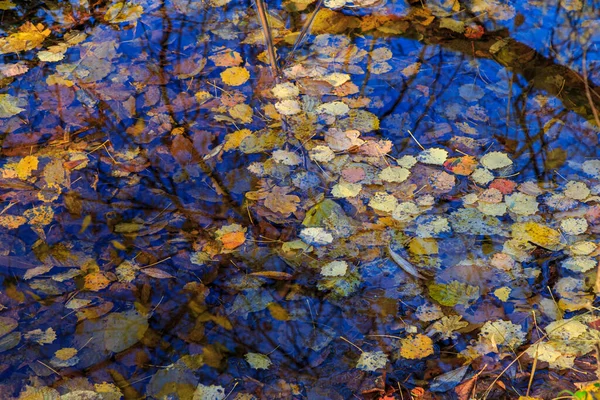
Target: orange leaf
point(461, 165)
point(232, 240)
point(95, 281)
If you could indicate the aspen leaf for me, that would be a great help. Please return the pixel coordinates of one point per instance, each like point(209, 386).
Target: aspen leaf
point(372, 360)
point(26, 166)
point(335, 108)
point(235, 76)
point(482, 176)
point(394, 174)
point(316, 236)
point(344, 189)
point(9, 105)
point(415, 347)
point(65, 353)
point(502, 293)
point(433, 156)
point(334, 268)
point(96, 281)
point(576, 190)
point(285, 90)
point(123, 12)
point(495, 160)
point(258, 360)
point(574, 226)
point(381, 201)
point(288, 107)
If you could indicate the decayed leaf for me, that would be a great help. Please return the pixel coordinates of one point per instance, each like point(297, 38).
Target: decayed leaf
point(382, 201)
point(372, 360)
point(124, 329)
point(123, 12)
point(316, 236)
point(453, 293)
point(278, 200)
point(156, 273)
point(335, 268)
point(574, 226)
point(415, 347)
point(206, 392)
point(9, 106)
point(402, 263)
point(258, 360)
point(448, 325)
point(434, 156)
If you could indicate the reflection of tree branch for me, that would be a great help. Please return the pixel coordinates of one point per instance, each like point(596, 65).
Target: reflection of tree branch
point(542, 73)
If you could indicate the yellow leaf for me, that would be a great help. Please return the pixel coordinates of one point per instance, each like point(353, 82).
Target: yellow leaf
point(235, 76)
point(12, 221)
point(541, 235)
point(278, 312)
point(242, 112)
point(502, 293)
point(9, 105)
point(233, 140)
point(25, 166)
point(41, 215)
point(423, 246)
point(123, 12)
point(66, 353)
point(95, 282)
point(28, 37)
point(418, 346)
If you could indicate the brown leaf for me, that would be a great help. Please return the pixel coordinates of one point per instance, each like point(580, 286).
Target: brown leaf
point(156, 273)
point(279, 201)
point(281, 276)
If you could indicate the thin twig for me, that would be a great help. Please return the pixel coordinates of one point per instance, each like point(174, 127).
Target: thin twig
point(305, 28)
point(264, 23)
point(587, 89)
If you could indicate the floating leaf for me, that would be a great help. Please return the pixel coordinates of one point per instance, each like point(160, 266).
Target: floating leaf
point(235, 76)
point(124, 329)
point(209, 392)
point(9, 105)
point(453, 293)
point(156, 273)
point(574, 226)
point(123, 12)
point(415, 347)
point(335, 268)
point(372, 360)
point(495, 160)
point(433, 156)
point(258, 360)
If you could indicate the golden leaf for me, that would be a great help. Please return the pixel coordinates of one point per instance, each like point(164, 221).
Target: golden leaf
point(235, 76)
point(418, 346)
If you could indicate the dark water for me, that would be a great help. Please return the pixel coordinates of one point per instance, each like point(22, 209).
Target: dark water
point(116, 197)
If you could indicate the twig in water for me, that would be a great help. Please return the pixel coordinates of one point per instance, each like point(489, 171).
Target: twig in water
point(261, 7)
